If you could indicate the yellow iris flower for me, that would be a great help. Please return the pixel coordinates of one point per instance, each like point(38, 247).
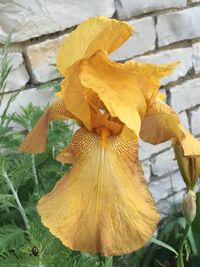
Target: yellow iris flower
point(103, 204)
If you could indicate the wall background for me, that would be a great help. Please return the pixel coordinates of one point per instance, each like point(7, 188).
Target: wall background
point(164, 31)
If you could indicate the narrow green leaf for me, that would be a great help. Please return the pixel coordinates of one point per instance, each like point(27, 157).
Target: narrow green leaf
point(164, 245)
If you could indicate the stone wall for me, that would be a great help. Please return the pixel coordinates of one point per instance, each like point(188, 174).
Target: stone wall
point(165, 31)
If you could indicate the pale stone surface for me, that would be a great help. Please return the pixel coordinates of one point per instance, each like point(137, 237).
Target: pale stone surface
point(163, 187)
point(184, 55)
point(184, 119)
point(147, 150)
point(40, 59)
point(171, 204)
point(176, 26)
point(36, 97)
point(196, 57)
point(195, 1)
point(18, 77)
point(185, 95)
point(195, 121)
point(142, 40)
point(127, 8)
point(35, 18)
point(146, 166)
point(164, 163)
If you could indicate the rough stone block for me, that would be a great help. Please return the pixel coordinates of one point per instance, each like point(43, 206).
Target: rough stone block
point(184, 119)
point(36, 97)
point(185, 95)
point(170, 205)
point(34, 18)
point(164, 187)
point(164, 163)
point(196, 57)
point(146, 166)
point(41, 59)
point(184, 55)
point(18, 77)
point(142, 40)
point(147, 150)
point(127, 9)
point(195, 121)
point(177, 26)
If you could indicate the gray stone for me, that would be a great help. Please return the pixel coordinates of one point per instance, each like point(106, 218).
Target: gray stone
point(142, 40)
point(196, 57)
point(164, 163)
point(177, 26)
point(34, 18)
point(36, 97)
point(184, 119)
point(163, 187)
point(18, 77)
point(185, 95)
point(184, 55)
point(195, 121)
point(147, 150)
point(127, 9)
point(146, 166)
point(170, 205)
point(41, 60)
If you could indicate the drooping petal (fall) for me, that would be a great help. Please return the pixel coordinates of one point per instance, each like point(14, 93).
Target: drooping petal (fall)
point(36, 140)
point(96, 33)
point(161, 124)
point(103, 204)
point(116, 87)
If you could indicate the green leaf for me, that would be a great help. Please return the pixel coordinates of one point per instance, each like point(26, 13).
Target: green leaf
point(10, 235)
point(7, 200)
point(164, 245)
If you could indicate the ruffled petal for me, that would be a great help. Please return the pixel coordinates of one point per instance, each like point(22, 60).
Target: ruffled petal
point(116, 87)
point(36, 140)
point(103, 204)
point(75, 96)
point(96, 33)
point(161, 124)
point(148, 76)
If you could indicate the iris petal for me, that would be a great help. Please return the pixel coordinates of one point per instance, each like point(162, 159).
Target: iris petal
point(161, 124)
point(116, 87)
point(36, 140)
point(96, 33)
point(103, 204)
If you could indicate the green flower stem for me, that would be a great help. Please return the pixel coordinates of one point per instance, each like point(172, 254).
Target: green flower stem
point(53, 147)
point(33, 165)
point(35, 174)
point(20, 208)
point(180, 261)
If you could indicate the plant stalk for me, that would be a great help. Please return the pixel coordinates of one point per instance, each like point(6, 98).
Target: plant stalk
point(35, 174)
point(20, 208)
point(180, 260)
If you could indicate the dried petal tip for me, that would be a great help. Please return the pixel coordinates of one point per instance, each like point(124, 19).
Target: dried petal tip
point(189, 206)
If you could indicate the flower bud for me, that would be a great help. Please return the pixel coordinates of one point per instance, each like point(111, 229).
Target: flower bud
point(189, 206)
point(188, 166)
